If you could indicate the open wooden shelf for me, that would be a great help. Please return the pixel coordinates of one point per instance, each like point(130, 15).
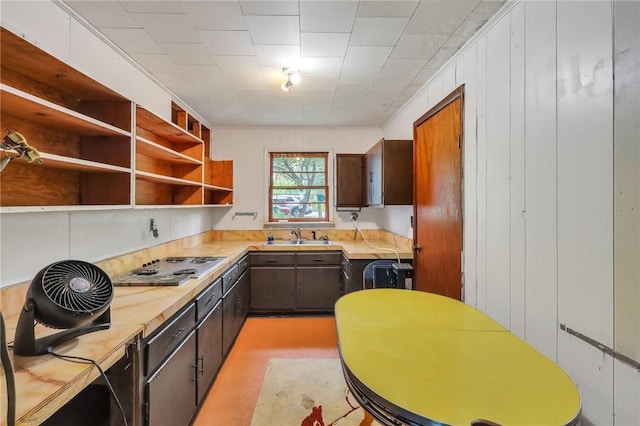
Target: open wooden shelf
point(92, 154)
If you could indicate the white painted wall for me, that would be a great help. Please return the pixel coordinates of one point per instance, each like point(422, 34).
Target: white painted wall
point(30, 241)
point(538, 163)
point(249, 148)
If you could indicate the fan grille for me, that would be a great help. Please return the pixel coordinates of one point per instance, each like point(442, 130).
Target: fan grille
point(77, 286)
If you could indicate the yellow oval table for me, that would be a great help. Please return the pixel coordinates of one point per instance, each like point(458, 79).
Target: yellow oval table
point(416, 358)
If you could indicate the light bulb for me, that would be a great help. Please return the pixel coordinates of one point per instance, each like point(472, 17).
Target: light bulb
point(286, 86)
point(295, 77)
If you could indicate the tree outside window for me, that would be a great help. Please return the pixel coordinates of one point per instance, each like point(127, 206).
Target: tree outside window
point(298, 187)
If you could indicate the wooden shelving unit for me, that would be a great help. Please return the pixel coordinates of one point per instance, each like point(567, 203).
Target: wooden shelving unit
point(92, 155)
point(81, 128)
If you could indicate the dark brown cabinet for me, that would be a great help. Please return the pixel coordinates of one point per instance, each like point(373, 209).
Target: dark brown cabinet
point(349, 185)
point(235, 300)
point(389, 173)
point(209, 354)
point(298, 282)
point(170, 391)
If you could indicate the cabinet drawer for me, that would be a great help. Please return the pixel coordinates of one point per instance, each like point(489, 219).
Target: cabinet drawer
point(272, 259)
point(161, 345)
point(208, 299)
point(243, 265)
point(229, 278)
point(319, 258)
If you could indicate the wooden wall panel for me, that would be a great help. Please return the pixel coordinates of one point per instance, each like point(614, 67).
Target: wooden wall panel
point(481, 164)
point(498, 184)
point(585, 168)
point(517, 172)
point(540, 154)
point(469, 181)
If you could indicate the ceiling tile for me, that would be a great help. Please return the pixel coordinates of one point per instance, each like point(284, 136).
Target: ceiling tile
point(156, 63)
point(278, 55)
point(440, 57)
point(271, 8)
point(148, 6)
point(243, 71)
point(324, 44)
point(327, 16)
point(418, 45)
point(188, 53)
point(387, 8)
point(485, 10)
point(362, 63)
point(400, 71)
point(462, 34)
point(104, 14)
point(168, 28)
point(320, 83)
point(377, 31)
point(215, 15)
point(132, 40)
point(350, 94)
point(439, 16)
point(274, 29)
point(325, 67)
point(228, 43)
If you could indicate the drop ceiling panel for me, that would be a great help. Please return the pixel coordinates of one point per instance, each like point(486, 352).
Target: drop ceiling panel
point(133, 40)
point(439, 16)
point(324, 44)
point(462, 34)
point(188, 53)
point(274, 29)
point(320, 83)
point(377, 31)
point(327, 16)
point(400, 71)
point(243, 71)
point(362, 63)
point(215, 15)
point(156, 63)
point(228, 43)
point(321, 67)
point(485, 9)
point(148, 6)
point(272, 8)
point(104, 14)
point(350, 94)
point(418, 45)
point(168, 28)
point(387, 8)
point(278, 55)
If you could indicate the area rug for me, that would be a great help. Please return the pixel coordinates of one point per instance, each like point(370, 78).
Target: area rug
point(307, 392)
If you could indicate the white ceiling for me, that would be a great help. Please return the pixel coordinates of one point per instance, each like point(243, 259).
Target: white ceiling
point(360, 60)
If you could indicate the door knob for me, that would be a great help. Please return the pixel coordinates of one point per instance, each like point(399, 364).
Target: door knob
point(417, 248)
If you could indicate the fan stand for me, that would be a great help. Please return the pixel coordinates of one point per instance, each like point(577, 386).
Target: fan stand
point(25, 343)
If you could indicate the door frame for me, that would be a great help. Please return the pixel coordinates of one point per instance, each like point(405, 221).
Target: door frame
point(457, 93)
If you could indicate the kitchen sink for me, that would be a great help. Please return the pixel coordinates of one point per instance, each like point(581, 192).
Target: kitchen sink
point(298, 243)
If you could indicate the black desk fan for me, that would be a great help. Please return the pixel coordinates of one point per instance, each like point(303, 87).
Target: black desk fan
point(70, 294)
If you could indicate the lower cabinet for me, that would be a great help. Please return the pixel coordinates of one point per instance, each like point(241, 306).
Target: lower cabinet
point(170, 390)
point(352, 273)
point(209, 353)
point(235, 302)
point(295, 282)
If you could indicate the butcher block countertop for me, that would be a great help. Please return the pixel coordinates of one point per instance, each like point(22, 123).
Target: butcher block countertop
point(44, 383)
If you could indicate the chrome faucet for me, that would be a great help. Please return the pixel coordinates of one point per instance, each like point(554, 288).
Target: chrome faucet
point(297, 233)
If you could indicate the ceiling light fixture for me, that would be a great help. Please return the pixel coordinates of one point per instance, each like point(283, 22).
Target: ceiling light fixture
point(293, 77)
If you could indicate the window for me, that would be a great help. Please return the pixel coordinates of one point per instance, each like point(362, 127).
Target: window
point(298, 187)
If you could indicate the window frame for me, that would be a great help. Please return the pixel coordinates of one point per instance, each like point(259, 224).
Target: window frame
point(325, 187)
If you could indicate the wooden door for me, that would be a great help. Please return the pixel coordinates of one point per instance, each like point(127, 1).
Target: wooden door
point(438, 198)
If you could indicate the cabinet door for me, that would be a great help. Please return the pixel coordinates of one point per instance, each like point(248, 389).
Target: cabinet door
point(171, 397)
point(244, 296)
point(273, 289)
point(373, 161)
point(229, 318)
point(349, 180)
point(318, 288)
point(209, 350)
point(397, 172)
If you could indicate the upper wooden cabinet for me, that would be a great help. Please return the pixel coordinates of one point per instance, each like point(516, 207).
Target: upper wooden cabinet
point(389, 173)
point(349, 186)
point(91, 154)
point(81, 129)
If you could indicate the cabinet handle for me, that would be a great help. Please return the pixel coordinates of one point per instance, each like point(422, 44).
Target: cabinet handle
point(175, 336)
point(201, 362)
point(195, 372)
point(272, 261)
point(318, 259)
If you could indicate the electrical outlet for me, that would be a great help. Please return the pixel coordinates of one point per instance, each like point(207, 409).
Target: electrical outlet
point(152, 224)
